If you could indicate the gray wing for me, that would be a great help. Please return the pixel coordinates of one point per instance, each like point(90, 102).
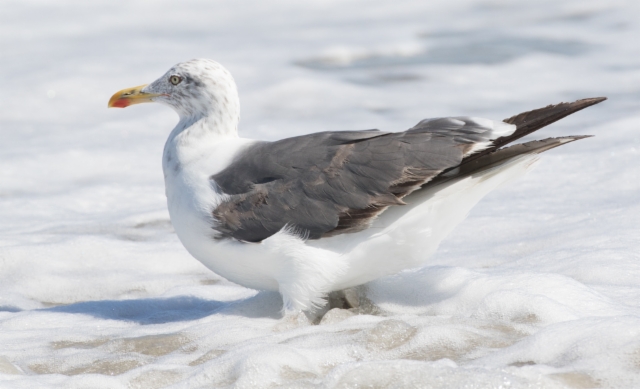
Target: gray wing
point(335, 182)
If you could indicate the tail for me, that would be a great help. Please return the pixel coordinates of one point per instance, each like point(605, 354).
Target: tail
point(526, 123)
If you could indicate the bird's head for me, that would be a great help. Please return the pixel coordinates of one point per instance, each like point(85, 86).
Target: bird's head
point(196, 88)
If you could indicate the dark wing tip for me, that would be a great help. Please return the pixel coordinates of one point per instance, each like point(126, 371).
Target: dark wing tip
point(530, 121)
point(561, 140)
point(539, 146)
point(544, 116)
point(501, 156)
point(578, 137)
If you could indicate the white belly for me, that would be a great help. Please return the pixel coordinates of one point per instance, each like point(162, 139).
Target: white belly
point(191, 199)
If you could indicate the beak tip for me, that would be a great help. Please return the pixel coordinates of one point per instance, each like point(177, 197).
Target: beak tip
point(118, 103)
point(129, 96)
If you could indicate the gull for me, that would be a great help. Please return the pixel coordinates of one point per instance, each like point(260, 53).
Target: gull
point(318, 213)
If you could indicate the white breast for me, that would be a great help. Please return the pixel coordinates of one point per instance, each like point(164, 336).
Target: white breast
point(191, 198)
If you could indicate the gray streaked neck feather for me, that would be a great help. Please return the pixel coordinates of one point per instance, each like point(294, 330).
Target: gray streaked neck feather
point(193, 133)
point(215, 114)
point(200, 127)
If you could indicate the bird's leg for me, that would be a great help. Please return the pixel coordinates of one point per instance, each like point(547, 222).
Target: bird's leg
point(293, 319)
point(344, 299)
point(353, 299)
point(302, 288)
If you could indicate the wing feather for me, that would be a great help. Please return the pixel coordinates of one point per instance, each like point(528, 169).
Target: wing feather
point(335, 182)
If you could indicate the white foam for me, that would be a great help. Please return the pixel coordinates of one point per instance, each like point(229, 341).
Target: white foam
point(538, 287)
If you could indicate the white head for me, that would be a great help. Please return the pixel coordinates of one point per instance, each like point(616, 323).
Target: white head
point(199, 89)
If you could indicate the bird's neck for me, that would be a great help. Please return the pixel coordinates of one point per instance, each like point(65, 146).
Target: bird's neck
point(196, 131)
point(196, 137)
point(207, 126)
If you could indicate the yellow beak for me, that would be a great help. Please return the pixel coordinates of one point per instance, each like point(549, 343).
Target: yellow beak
point(130, 96)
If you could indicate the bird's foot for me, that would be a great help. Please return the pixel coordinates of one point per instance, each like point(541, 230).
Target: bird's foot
point(344, 299)
point(352, 300)
point(292, 319)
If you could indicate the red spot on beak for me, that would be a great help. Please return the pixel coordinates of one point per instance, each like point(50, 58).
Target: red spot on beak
point(121, 103)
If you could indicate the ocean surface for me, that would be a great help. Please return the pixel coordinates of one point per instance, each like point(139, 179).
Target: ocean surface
point(538, 288)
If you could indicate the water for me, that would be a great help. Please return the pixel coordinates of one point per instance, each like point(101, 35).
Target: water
point(538, 288)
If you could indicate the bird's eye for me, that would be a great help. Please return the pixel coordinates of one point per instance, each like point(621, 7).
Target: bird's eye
point(175, 80)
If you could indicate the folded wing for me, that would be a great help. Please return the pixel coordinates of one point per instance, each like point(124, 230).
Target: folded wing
point(330, 183)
